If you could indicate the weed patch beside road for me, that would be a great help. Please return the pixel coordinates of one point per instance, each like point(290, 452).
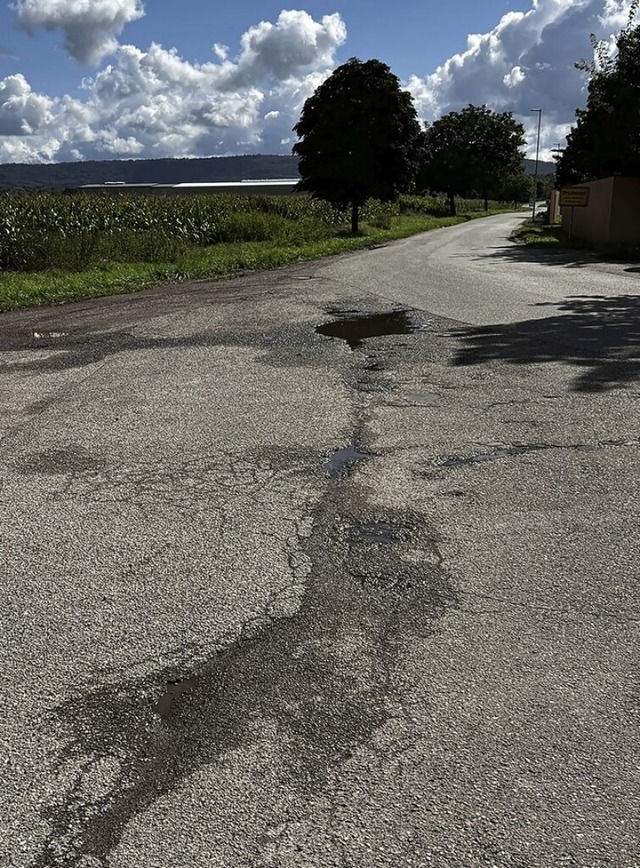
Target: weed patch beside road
point(545, 237)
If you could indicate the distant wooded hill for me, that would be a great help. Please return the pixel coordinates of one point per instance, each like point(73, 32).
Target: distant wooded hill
point(63, 175)
point(544, 168)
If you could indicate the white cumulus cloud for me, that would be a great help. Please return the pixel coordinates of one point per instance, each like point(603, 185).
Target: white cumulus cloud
point(526, 61)
point(90, 27)
point(22, 112)
point(294, 43)
point(156, 103)
point(515, 77)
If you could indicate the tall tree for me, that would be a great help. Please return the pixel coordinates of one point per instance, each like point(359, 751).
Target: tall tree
point(606, 137)
point(359, 137)
point(517, 188)
point(471, 151)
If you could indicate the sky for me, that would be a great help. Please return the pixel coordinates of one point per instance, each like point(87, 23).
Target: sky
point(126, 79)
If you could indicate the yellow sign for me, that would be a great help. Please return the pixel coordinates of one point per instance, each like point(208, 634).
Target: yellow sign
point(574, 197)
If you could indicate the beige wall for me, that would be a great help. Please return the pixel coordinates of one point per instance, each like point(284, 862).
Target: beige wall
point(591, 223)
point(625, 212)
point(612, 215)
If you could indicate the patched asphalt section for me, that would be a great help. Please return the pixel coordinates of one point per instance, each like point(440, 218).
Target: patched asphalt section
point(323, 675)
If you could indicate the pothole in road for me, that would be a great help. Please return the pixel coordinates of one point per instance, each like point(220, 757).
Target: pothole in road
point(342, 460)
point(356, 329)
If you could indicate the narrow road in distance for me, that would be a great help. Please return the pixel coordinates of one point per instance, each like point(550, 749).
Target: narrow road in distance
point(333, 566)
point(475, 274)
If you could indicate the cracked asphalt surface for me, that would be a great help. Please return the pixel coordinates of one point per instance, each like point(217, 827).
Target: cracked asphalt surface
point(272, 599)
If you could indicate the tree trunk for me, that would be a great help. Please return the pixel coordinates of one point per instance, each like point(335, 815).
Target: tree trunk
point(354, 218)
point(486, 203)
point(452, 204)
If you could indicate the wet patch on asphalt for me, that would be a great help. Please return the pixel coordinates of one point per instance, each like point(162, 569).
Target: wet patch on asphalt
point(71, 459)
point(172, 694)
point(284, 346)
point(377, 532)
point(490, 455)
point(343, 460)
point(323, 677)
point(79, 350)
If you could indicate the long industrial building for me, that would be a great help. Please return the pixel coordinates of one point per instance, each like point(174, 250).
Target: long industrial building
point(261, 188)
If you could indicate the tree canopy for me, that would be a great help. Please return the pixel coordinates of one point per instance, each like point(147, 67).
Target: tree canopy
point(472, 151)
point(516, 188)
point(359, 137)
point(606, 137)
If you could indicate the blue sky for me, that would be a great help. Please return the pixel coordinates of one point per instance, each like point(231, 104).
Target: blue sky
point(105, 79)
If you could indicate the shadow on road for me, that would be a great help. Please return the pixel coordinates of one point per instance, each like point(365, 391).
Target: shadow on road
point(513, 252)
point(598, 334)
point(577, 257)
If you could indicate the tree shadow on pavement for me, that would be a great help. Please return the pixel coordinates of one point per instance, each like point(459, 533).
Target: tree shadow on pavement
point(563, 257)
point(598, 334)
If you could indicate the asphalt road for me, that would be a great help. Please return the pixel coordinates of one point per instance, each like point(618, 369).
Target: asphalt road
point(273, 598)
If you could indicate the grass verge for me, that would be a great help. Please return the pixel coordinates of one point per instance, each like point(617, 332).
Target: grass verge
point(545, 237)
point(22, 290)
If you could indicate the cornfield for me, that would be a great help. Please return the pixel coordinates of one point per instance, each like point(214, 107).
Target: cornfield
point(44, 230)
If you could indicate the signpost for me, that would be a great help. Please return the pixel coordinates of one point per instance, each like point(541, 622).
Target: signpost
point(574, 197)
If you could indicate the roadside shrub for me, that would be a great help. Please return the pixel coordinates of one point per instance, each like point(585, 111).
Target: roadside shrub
point(432, 206)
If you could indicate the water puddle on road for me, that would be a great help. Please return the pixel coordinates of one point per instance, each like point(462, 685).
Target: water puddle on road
point(357, 329)
point(174, 691)
point(342, 460)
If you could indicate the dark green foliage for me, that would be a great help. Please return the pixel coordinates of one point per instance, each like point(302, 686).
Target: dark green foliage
point(606, 137)
point(544, 187)
point(471, 151)
point(359, 137)
point(438, 206)
point(517, 188)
